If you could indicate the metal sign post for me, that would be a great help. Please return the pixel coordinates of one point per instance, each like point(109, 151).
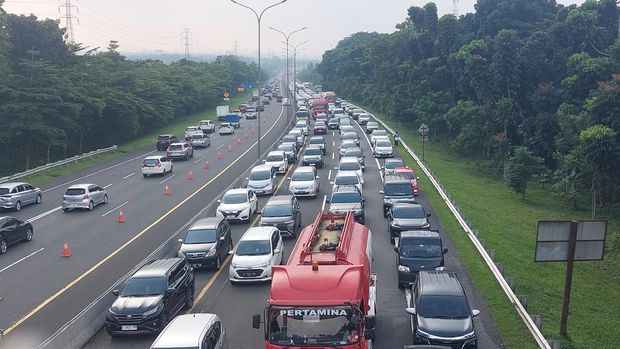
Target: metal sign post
point(569, 241)
point(423, 130)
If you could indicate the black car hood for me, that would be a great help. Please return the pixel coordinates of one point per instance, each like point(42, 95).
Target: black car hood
point(417, 264)
point(445, 327)
point(409, 223)
point(135, 305)
point(191, 248)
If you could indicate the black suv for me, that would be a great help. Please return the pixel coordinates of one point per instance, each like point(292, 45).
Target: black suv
point(207, 243)
point(163, 141)
point(313, 155)
point(440, 312)
point(418, 250)
point(282, 212)
point(151, 297)
point(396, 188)
point(406, 216)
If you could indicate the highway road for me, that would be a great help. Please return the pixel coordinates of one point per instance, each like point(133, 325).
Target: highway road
point(40, 291)
point(236, 304)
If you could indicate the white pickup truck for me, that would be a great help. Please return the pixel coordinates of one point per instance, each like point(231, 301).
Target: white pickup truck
point(206, 126)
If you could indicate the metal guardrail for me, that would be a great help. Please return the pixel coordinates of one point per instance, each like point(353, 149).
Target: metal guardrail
point(525, 316)
point(57, 163)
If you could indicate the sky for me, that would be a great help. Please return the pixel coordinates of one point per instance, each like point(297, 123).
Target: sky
point(222, 27)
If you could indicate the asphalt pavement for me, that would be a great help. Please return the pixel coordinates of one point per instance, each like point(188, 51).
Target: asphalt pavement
point(236, 304)
point(40, 291)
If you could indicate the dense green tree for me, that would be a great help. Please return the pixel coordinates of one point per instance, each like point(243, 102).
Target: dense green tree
point(522, 166)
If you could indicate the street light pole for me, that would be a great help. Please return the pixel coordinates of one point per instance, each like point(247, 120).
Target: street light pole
point(258, 19)
point(287, 37)
point(295, 69)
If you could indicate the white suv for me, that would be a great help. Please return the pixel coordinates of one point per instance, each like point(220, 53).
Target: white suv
point(278, 160)
point(237, 204)
point(156, 165)
point(304, 182)
point(258, 250)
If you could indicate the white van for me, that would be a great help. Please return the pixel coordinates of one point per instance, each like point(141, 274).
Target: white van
point(192, 331)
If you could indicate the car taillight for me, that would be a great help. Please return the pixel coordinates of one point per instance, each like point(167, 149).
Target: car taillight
point(85, 197)
point(159, 164)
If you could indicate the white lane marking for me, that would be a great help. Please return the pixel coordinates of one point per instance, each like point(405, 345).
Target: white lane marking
point(199, 160)
point(333, 133)
point(115, 208)
point(97, 172)
point(333, 155)
point(324, 201)
point(333, 143)
point(220, 146)
point(37, 217)
point(165, 180)
point(129, 175)
point(329, 175)
point(107, 186)
point(22, 259)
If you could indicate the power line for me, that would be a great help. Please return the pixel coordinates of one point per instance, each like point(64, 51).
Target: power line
point(68, 17)
point(186, 40)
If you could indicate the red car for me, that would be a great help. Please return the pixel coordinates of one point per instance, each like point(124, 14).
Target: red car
point(408, 172)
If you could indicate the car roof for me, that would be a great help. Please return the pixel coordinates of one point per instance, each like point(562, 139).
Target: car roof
point(349, 159)
point(420, 234)
point(390, 178)
point(349, 133)
point(349, 141)
point(179, 143)
point(304, 169)
point(346, 173)
point(405, 169)
point(258, 233)
point(12, 184)
point(154, 157)
point(262, 167)
point(158, 267)
point(276, 152)
point(237, 191)
point(346, 189)
point(185, 331)
point(317, 137)
point(166, 135)
point(280, 200)
point(206, 223)
point(399, 160)
point(313, 146)
point(440, 283)
point(80, 186)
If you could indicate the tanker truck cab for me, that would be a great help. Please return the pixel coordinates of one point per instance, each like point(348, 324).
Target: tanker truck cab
point(325, 295)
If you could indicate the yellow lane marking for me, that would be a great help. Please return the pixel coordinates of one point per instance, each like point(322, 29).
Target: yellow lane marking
point(123, 246)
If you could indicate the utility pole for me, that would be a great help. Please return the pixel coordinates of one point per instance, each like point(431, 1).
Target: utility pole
point(186, 40)
point(68, 18)
point(236, 48)
point(455, 8)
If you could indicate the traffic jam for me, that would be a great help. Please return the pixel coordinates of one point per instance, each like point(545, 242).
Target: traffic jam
point(335, 246)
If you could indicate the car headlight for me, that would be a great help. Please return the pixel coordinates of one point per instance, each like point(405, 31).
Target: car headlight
point(404, 268)
point(264, 265)
point(211, 252)
point(421, 333)
point(152, 311)
point(181, 254)
point(395, 225)
point(470, 335)
point(426, 225)
point(358, 212)
point(440, 268)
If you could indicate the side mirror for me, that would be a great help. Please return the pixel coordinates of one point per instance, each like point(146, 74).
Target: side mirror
point(475, 312)
point(335, 168)
point(331, 182)
point(396, 248)
point(411, 311)
point(327, 201)
point(370, 322)
point(246, 178)
point(222, 238)
point(428, 215)
point(231, 252)
point(381, 192)
point(256, 321)
point(396, 241)
point(276, 251)
point(317, 177)
point(289, 178)
point(218, 201)
point(170, 290)
point(417, 178)
point(369, 334)
point(445, 250)
point(180, 241)
point(116, 292)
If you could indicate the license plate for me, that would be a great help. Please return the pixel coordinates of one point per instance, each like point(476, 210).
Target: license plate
point(129, 327)
point(197, 265)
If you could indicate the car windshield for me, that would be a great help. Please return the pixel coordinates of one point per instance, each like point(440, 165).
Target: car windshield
point(349, 166)
point(260, 175)
point(312, 151)
point(349, 135)
point(345, 197)
point(200, 236)
point(149, 162)
point(289, 139)
point(345, 121)
point(378, 133)
point(420, 248)
point(407, 175)
point(144, 286)
point(348, 145)
point(197, 137)
point(315, 140)
point(372, 124)
point(394, 164)
point(300, 125)
point(319, 123)
point(275, 157)
point(302, 176)
point(398, 189)
point(224, 125)
point(277, 211)
point(409, 212)
point(346, 180)
point(253, 247)
point(313, 327)
point(191, 129)
point(443, 307)
point(383, 143)
point(175, 147)
point(286, 147)
point(163, 138)
point(75, 191)
point(353, 152)
point(236, 198)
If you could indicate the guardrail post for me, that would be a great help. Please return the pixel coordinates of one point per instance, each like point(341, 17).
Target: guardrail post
point(555, 344)
point(491, 254)
point(500, 267)
point(537, 321)
point(523, 300)
point(511, 282)
point(477, 233)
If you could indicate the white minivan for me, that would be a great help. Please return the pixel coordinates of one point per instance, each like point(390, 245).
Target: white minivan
point(192, 331)
point(258, 250)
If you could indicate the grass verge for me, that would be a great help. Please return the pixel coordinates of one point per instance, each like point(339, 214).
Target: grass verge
point(508, 225)
point(177, 127)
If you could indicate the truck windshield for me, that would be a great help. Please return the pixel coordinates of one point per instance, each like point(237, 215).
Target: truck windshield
point(312, 326)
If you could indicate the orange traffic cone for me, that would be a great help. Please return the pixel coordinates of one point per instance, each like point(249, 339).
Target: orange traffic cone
point(121, 217)
point(229, 148)
point(190, 175)
point(166, 190)
point(238, 140)
point(219, 155)
point(66, 252)
point(207, 165)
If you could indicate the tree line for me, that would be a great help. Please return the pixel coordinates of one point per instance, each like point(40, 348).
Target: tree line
point(525, 87)
point(59, 99)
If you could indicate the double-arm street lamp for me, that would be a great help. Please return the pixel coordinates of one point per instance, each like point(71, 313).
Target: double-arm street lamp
point(295, 68)
point(258, 19)
point(287, 37)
